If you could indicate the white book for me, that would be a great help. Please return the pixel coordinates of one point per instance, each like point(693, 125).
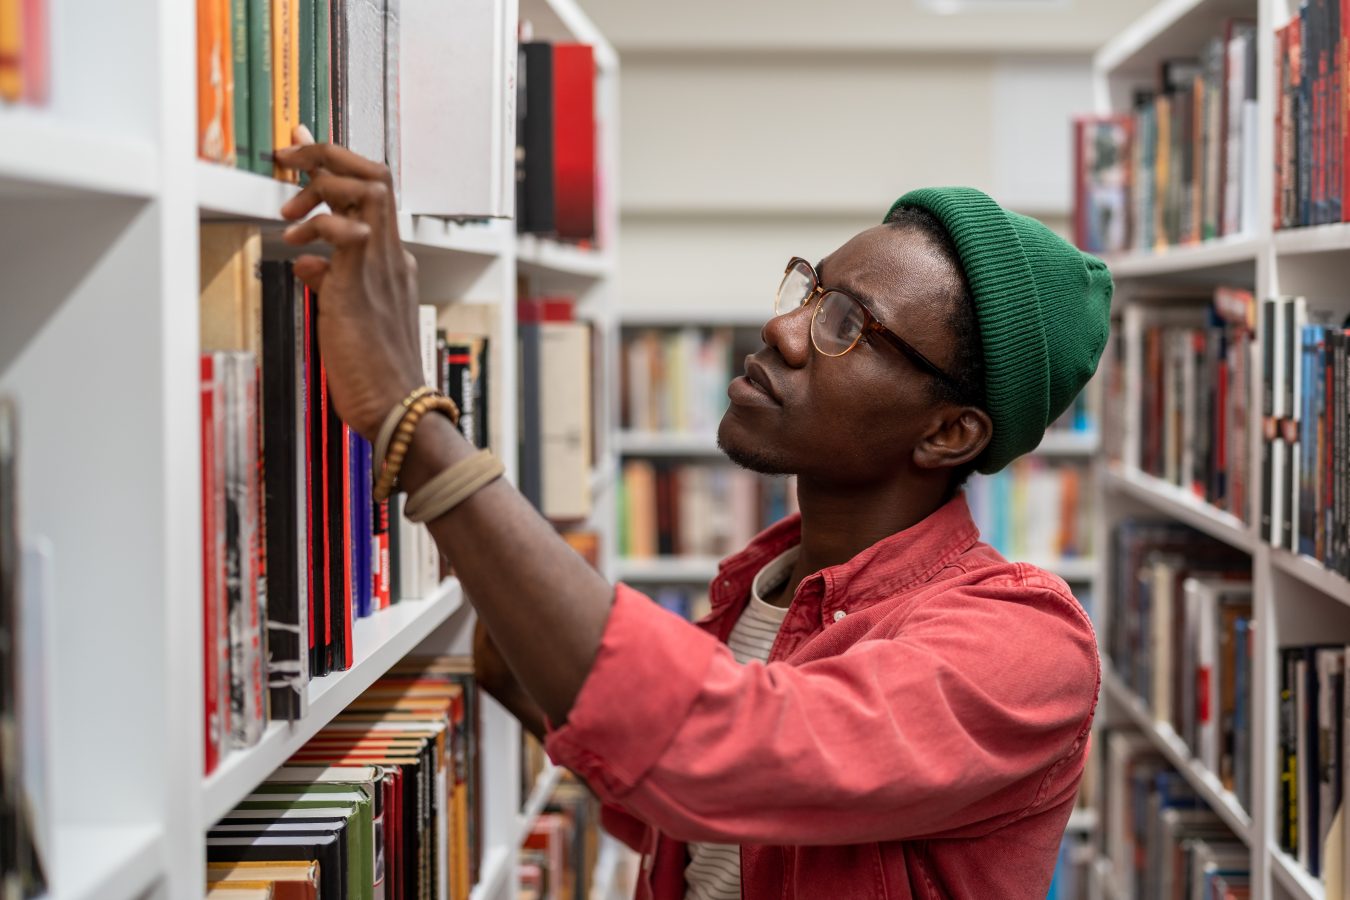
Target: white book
point(565, 410)
point(1163, 575)
point(1251, 168)
point(1296, 316)
point(1232, 197)
point(363, 28)
point(1274, 324)
point(452, 82)
point(393, 153)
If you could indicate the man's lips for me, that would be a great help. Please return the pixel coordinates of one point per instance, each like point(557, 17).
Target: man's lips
point(757, 375)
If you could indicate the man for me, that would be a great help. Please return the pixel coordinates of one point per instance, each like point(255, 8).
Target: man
point(920, 726)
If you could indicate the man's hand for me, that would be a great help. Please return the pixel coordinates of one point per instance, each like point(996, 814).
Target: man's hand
point(367, 310)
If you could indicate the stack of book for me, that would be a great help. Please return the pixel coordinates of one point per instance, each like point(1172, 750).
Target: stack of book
point(559, 853)
point(419, 86)
point(1182, 167)
point(385, 801)
point(1160, 838)
point(1310, 116)
point(556, 176)
point(25, 52)
point(1185, 395)
point(25, 840)
point(675, 380)
point(556, 415)
point(1034, 510)
point(690, 509)
point(294, 546)
point(1181, 639)
point(1309, 760)
point(1304, 438)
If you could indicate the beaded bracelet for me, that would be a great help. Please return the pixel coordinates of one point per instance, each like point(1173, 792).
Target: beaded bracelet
point(398, 446)
point(395, 416)
point(453, 486)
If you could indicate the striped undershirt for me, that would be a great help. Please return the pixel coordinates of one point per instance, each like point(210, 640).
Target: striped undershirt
point(714, 870)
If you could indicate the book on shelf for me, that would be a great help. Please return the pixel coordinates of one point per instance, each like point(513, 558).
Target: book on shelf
point(386, 798)
point(25, 608)
point(1101, 211)
point(1304, 434)
point(556, 169)
point(394, 80)
point(1310, 103)
point(1181, 627)
point(1181, 392)
point(1034, 509)
point(25, 52)
point(556, 411)
point(669, 508)
point(1161, 839)
point(1190, 149)
point(295, 549)
point(675, 379)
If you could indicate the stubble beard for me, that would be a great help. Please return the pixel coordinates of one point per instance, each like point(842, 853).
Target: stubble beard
point(754, 459)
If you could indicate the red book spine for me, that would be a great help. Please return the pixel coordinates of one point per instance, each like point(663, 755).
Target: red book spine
point(1343, 113)
point(574, 141)
point(381, 585)
point(211, 567)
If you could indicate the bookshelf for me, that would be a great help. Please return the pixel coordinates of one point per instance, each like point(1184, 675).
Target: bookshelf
point(1297, 600)
point(101, 198)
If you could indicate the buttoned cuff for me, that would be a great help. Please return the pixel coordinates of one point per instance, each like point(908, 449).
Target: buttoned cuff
point(650, 669)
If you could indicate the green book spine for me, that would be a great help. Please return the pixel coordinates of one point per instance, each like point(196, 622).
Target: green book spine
point(323, 99)
point(260, 85)
point(307, 66)
point(243, 144)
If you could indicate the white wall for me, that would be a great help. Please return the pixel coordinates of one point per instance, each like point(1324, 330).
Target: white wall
point(753, 131)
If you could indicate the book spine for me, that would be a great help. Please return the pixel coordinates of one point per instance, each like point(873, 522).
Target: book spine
point(239, 63)
point(260, 85)
point(323, 72)
point(285, 78)
point(11, 51)
point(36, 60)
point(393, 125)
point(306, 64)
point(243, 552)
point(215, 83)
point(213, 594)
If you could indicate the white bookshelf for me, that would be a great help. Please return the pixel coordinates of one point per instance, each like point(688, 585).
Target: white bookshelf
point(1297, 600)
point(101, 198)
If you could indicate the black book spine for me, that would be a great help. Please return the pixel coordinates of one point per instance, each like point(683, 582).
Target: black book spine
point(1310, 768)
point(481, 394)
point(280, 489)
point(318, 496)
point(538, 139)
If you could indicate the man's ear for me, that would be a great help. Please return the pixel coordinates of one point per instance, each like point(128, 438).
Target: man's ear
point(958, 435)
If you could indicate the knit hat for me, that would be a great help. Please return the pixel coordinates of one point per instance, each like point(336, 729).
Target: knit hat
point(1043, 308)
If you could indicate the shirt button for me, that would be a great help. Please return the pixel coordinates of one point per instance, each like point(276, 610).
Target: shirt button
point(839, 614)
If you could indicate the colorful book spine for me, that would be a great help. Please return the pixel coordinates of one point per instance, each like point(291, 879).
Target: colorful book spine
point(260, 86)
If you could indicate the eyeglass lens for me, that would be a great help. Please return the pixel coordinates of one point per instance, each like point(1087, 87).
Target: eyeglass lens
point(835, 325)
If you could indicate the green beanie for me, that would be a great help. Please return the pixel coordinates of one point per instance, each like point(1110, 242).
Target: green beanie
point(1043, 308)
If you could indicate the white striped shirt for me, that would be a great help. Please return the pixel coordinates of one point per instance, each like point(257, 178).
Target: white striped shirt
point(714, 870)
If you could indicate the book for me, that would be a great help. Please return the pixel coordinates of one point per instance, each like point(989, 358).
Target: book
point(285, 78)
point(241, 92)
point(535, 140)
point(1102, 156)
point(215, 631)
point(215, 82)
point(574, 141)
point(260, 93)
point(361, 72)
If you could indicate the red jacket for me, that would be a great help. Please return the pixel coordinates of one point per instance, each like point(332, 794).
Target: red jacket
point(919, 731)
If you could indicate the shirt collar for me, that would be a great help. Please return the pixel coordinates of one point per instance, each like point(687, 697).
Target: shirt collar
point(894, 563)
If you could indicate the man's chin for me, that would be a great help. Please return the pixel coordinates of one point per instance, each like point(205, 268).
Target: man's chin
point(753, 458)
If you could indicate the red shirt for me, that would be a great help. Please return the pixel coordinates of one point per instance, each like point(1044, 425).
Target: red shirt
point(919, 731)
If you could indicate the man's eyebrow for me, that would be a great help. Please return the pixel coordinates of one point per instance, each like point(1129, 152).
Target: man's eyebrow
point(865, 301)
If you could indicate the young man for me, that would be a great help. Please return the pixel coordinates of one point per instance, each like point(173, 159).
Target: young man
point(900, 712)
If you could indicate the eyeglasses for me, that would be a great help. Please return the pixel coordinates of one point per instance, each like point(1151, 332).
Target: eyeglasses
point(840, 322)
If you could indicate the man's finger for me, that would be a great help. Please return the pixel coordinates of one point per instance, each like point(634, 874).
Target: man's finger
point(312, 270)
point(341, 232)
point(336, 159)
point(342, 194)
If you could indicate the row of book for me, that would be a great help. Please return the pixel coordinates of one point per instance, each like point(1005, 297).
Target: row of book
point(1183, 381)
point(1310, 116)
point(1181, 628)
point(25, 52)
point(295, 549)
point(1310, 764)
point(1160, 838)
point(688, 601)
point(437, 91)
point(1182, 166)
point(1304, 438)
point(25, 839)
point(1034, 509)
point(385, 801)
point(676, 509)
point(675, 380)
